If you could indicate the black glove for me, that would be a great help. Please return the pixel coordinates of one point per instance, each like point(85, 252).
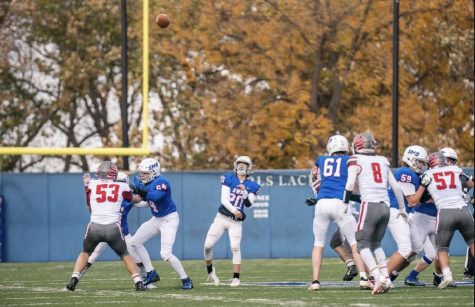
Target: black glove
point(310, 202)
point(143, 193)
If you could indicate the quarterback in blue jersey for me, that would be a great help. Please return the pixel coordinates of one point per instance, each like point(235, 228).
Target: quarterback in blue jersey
point(155, 189)
point(331, 173)
point(414, 160)
point(237, 192)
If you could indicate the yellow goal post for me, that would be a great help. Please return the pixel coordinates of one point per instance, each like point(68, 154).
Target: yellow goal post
point(110, 151)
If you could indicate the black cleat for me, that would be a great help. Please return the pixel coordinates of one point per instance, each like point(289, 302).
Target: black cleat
point(139, 286)
point(437, 280)
point(350, 273)
point(72, 284)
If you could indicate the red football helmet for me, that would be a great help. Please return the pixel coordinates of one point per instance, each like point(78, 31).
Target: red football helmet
point(107, 170)
point(364, 143)
point(436, 159)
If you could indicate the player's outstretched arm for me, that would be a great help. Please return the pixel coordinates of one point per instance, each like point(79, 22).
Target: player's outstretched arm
point(398, 193)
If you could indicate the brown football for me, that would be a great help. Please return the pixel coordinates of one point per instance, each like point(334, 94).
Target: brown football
point(162, 20)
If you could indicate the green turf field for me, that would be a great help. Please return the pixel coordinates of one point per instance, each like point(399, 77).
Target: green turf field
point(107, 283)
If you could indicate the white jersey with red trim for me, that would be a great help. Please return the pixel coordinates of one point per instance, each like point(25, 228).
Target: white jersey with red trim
point(105, 198)
point(372, 177)
point(446, 187)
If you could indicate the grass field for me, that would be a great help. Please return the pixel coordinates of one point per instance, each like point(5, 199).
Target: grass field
point(107, 283)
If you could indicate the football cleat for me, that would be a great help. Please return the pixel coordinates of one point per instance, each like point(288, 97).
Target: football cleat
point(213, 277)
point(152, 276)
point(413, 282)
point(467, 275)
point(187, 284)
point(351, 272)
point(72, 284)
point(446, 281)
point(235, 282)
point(379, 285)
point(366, 284)
point(151, 286)
point(139, 286)
point(436, 280)
point(314, 286)
point(387, 285)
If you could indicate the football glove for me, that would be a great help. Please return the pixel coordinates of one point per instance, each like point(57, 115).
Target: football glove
point(143, 193)
point(425, 180)
point(310, 202)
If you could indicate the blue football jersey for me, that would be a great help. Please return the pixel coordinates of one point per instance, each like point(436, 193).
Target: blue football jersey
point(232, 181)
point(427, 205)
point(333, 175)
point(159, 196)
point(124, 210)
point(404, 174)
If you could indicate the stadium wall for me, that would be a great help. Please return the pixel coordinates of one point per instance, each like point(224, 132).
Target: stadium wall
point(45, 217)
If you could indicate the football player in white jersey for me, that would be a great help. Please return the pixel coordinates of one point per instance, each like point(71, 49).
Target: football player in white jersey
point(452, 158)
point(237, 192)
point(373, 176)
point(445, 187)
point(125, 209)
point(105, 197)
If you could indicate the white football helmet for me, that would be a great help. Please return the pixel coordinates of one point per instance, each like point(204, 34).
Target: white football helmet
point(337, 143)
point(450, 154)
point(240, 170)
point(123, 177)
point(415, 157)
point(149, 169)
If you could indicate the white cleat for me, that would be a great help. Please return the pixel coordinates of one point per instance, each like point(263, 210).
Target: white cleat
point(447, 281)
point(379, 285)
point(214, 278)
point(314, 287)
point(151, 286)
point(235, 282)
point(387, 285)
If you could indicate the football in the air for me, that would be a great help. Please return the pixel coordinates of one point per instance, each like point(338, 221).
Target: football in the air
point(162, 20)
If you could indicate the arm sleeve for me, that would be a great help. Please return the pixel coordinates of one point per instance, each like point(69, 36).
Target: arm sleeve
point(225, 198)
point(396, 189)
point(352, 174)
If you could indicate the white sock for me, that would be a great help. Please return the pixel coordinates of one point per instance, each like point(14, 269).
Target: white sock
point(381, 258)
point(369, 261)
point(350, 262)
